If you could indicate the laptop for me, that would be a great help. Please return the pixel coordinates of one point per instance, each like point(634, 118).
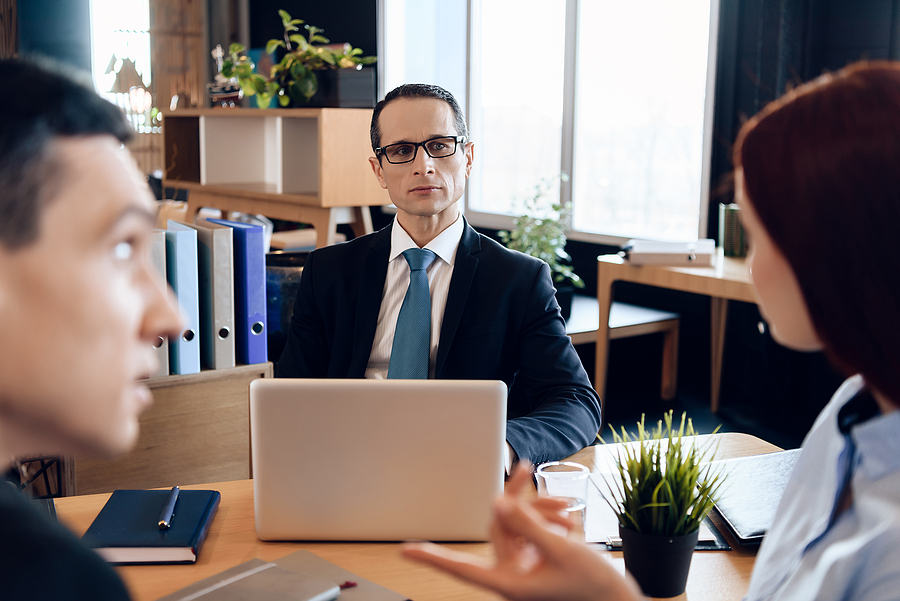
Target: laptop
point(376, 460)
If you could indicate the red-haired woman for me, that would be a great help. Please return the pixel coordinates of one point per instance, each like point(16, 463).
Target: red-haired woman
point(818, 178)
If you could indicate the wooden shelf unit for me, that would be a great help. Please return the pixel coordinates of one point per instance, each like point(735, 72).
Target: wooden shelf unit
point(197, 430)
point(305, 165)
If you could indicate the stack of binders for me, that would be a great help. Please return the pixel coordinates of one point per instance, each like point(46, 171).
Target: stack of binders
point(249, 292)
point(217, 270)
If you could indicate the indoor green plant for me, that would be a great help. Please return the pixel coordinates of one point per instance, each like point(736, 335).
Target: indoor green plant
point(294, 79)
point(663, 489)
point(541, 232)
point(239, 66)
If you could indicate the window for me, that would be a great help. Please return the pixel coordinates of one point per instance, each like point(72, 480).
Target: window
point(120, 32)
point(617, 94)
point(120, 59)
point(516, 112)
point(419, 42)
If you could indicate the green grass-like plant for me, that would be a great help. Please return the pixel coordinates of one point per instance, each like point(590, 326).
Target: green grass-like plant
point(665, 484)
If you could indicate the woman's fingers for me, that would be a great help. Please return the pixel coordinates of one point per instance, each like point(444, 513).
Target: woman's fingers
point(553, 510)
point(527, 522)
point(463, 565)
point(520, 477)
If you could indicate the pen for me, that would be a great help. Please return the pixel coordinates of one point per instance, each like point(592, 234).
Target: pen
point(165, 518)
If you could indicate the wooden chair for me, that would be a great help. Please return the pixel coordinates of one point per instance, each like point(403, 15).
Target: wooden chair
point(626, 321)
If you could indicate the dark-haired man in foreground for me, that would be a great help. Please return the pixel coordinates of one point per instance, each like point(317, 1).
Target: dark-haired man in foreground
point(80, 307)
point(493, 314)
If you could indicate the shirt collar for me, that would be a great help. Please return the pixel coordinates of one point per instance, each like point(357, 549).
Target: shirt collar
point(878, 444)
point(444, 244)
point(877, 440)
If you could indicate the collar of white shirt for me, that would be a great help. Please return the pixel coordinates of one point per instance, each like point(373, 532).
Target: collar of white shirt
point(444, 245)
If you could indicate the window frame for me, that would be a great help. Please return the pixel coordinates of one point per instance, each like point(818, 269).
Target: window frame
point(567, 141)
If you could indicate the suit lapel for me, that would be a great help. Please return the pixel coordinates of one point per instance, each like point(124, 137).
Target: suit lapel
point(458, 294)
point(368, 304)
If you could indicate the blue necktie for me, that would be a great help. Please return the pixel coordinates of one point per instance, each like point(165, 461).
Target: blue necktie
point(412, 336)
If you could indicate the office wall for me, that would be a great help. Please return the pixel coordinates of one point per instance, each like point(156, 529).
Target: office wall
point(765, 46)
point(345, 21)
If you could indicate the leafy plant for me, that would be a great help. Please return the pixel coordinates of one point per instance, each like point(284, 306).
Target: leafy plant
point(303, 57)
point(541, 231)
point(252, 83)
point(294, 77)
point(665, 485)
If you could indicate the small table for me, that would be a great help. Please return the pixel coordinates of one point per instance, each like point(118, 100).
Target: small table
point(257, 198)
point(625, 321)
point(728, 279)
point(715, 575)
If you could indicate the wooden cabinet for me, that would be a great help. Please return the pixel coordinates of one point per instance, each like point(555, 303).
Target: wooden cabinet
point(305, 165)
point(196, 431)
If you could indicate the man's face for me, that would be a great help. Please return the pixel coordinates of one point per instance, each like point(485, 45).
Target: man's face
point(80, 308)
point(426, 187)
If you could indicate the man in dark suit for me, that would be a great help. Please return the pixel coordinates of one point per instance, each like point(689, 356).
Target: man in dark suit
point(493, 314)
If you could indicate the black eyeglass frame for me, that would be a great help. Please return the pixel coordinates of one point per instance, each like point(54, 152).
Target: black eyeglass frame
point(457, 140)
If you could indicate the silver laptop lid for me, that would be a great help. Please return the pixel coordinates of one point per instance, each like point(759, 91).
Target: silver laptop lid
point(376, 459)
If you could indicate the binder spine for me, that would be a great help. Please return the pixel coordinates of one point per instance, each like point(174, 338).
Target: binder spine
point(158, 258)
point(181, 266)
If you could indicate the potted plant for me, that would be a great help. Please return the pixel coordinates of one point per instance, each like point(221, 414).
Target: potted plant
point(312, 71)
point(239, 66)
point(541, 233)
point(664, 488)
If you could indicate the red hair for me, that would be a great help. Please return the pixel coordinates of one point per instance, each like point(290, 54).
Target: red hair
point(821, 167)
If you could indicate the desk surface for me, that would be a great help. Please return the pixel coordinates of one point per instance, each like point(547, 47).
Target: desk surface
point(728, 278)
point(232, 540)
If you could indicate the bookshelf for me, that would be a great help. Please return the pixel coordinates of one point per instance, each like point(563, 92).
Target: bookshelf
point(196, 431)
point(304, 165)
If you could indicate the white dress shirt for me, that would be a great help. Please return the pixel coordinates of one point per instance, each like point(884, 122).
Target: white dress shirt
point(812, 552)
point(395, 285)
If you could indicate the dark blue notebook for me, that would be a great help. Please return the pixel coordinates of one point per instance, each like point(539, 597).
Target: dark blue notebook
point(127, 528)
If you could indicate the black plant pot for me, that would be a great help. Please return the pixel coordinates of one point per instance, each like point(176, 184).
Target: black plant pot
point(660, 564)
point(345, 88)
point(564, 296)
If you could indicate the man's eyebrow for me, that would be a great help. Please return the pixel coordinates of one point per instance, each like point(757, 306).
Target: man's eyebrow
point(134, 210)
point(430, 137)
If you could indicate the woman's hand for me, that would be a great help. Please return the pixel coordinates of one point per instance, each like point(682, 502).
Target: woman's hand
point(534, 559)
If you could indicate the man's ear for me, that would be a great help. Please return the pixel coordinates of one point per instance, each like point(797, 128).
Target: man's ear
point(379, 172)
point(470, 157)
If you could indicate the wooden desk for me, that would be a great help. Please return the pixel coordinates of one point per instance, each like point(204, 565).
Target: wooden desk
point(197, 430)
point(715, 575)
point(728, 279)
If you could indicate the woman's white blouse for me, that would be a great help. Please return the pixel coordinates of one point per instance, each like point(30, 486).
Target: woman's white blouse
point(807, 553)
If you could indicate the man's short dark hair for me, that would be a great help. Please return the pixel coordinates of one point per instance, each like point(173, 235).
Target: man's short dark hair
point(417, 90)
point(42, 104)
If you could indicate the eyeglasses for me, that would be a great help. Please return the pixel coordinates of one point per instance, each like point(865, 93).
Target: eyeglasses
point(437, 148)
